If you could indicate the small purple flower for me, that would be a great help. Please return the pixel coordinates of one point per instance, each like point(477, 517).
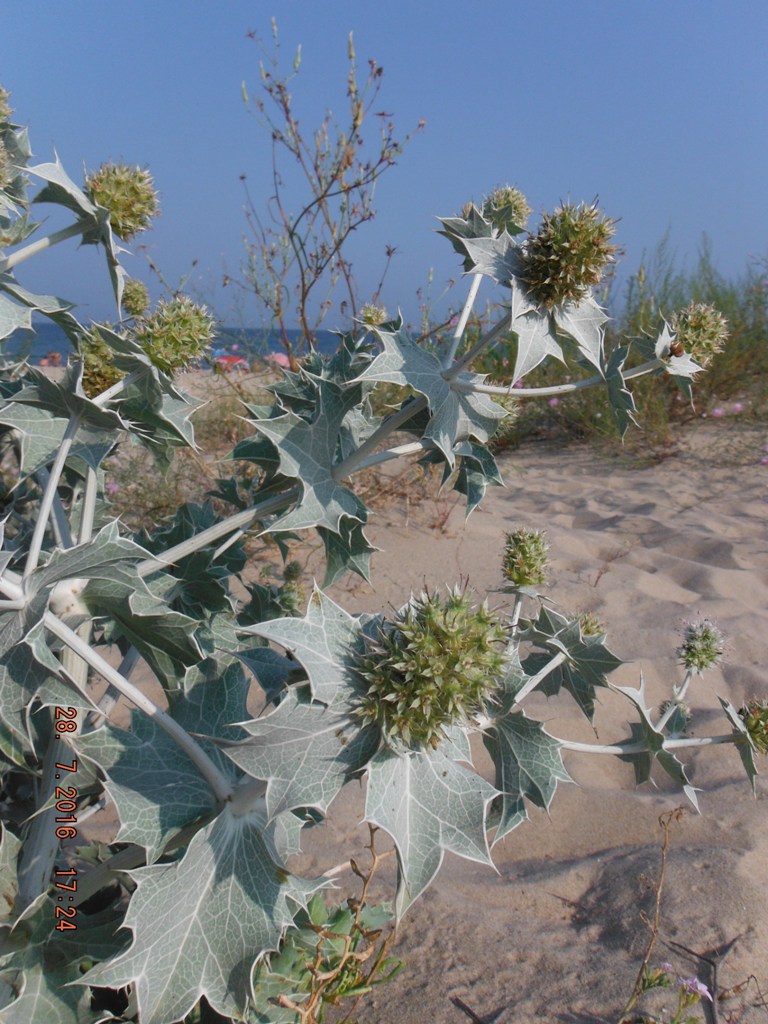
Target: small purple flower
point(111, 487)
point(737, 407)
point(696, 987)
point(718, 412)
point(554, 401)
point(518, 383)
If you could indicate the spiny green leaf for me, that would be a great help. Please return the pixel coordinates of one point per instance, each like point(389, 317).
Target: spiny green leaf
point(619, 395)
point(583, 321)
point(744, 743)
point(428, 804)
point(200, 924)
point(456, 414)
point(305, 751)
point(346, 551)
point(646, 732)
point(308, 452)
point(322, 641)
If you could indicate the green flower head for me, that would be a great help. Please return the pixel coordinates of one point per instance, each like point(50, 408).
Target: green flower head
point(431, 667)
point(507, 209)
point(702, 647)
point(135, 300)
point(526, 558)
point(6, 111)
point(700, 330)
point(373, 316)
point(176, 334)
point(99, 370)
point(129, 195)
point(568, 254)
point(754, 714)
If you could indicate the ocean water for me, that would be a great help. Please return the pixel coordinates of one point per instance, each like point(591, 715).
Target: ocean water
point(247, 342)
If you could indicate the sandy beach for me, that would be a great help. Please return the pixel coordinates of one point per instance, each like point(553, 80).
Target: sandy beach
point(556, 934)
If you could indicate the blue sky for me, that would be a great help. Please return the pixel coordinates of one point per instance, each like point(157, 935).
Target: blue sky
point(658, 107)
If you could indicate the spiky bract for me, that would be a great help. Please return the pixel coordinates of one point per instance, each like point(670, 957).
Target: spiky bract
point(526, 558)
point(129, 195)
point(176, 334)
point(701, 330)
point(590, 625)
point(703, 645)
point(568, 254)
point(135, 300)
point(507, 209)
point(432, 667)
point(754, 714)
point(6, 174)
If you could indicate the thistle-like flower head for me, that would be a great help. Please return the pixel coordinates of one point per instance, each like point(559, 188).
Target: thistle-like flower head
point(701, 330)
point(6, 175)
point(6, 111)
point(431, 667)
point(526, 558)
point(135, 300)
point(176, 334)
point(99, 370)
point(507, 209)
point(373, 316)
point(703, 645)
point(566, 257)
point(129, 195)
point(754, 714)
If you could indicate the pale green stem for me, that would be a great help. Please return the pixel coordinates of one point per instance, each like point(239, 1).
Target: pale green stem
point(392, 423)
point(60, 524)
point(36, 544)
point(534, 681)
point(238, 521)
point(514, 619)
point(111, 695)
point(555, 389)
point(110, 393)
point(21, 255)
point(620, 749)
point(677, 695)
point(393, 453)
point(220, 785)
point(459, 331)
point(88, 507)
point(502, 327)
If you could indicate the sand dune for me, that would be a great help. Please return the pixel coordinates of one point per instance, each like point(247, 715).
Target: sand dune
point(556, 934)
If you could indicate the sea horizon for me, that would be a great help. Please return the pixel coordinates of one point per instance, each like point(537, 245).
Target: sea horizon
point(46, 337)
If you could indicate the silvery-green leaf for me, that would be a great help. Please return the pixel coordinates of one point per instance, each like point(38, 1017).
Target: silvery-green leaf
point(744, 743)
point(583, 321)
point(10, 848)
point(56, 309)
point(308, 452)
point(496, 257)
point(455, 414)
point(13, 318)
point(528, 766)
point(20, 672)
point(654, 742)
point(165, 638)
point(476, 469)
point(322, 641)
point(200, 924)
point(304, 751)
point(41, 434)
point(428, 804)
point(536, 339)
point(271, 669)
point(66, 398)
point(346, 551)
point(156, 789)
point(619, 395)
point(458, 229)
point(588, 661)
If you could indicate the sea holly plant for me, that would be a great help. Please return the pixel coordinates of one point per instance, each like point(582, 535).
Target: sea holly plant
point(194, 910)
